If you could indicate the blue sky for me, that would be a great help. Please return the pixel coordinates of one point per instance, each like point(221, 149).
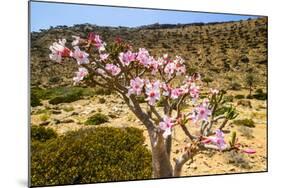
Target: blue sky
point(44, 15)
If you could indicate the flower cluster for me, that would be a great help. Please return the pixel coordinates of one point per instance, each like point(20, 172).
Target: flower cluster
point(82, 72)
point(59, 50)
point(136, 86)
point(201, 112)
point(166, 125)
point(217, 140)
point(112, 69)
point(152, 90)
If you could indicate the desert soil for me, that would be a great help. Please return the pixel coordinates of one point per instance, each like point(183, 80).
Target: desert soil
point(71, 116)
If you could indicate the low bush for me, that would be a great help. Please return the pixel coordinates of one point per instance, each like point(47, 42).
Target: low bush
point(34, 100)
point(44, 116)
point(102, 91)
point(42, 134)
point(239, 97)
point(91, 155)
point(246, 131)
point(228, 98)
point(259, 91)
point(51, 93)
point(260, 96)
point(245, 122)
point(67, 98)
point(102, 100)
point(235, 86)
point(96, 119)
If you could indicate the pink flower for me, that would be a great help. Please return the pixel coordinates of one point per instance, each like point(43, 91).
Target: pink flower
point(175, 93)
point(143, 56)
point(96, 40)
point(194, 91)
point(104, 56)
point(101, 71)
point(179, 66)
point(249, 151)
point(80, 56)
point(217, 140)
point(136, 86)
point(82, 72)
point(127, 57)
point(170, 69)
point(112, 69)
point(76, 40)
point(202, 112)
point(166, 125)
point(166, 89)
point(59, 50)
point(152, 90)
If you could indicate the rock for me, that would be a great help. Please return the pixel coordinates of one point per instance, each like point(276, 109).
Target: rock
point(74, 114)
point(245, 103)
point(112, 115)
point(56, 112)
point(67, 121)
point(44, 123)
point(56, 121)
point(231, 169)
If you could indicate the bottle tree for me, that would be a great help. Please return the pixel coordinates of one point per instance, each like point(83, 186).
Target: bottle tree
point(132, 74)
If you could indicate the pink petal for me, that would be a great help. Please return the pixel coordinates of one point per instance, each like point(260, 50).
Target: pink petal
point(249, 151)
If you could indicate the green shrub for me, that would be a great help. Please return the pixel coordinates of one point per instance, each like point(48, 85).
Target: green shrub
point(228, 98)
point(259, 91)
point(245, 122)
point(91, 155)
point(260, 96)
point(68, 108)
point(96, 119)
point(239, 97)
point(140, 99)
point(42, 134)
point(249, 97)
point(44, 117)
point(234, 86)
point(67, 98)
point(50, 93)
point(102, 91)
point(34, 100)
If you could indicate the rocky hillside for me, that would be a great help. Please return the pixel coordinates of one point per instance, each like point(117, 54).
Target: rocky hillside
point(222, 52)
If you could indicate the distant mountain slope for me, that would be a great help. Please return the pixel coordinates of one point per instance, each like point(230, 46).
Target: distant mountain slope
point(216, 49)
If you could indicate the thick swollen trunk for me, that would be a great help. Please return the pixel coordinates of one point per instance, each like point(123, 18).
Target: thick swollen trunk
point(162, 167)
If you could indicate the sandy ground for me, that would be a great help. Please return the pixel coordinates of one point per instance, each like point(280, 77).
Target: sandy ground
point(207, 162)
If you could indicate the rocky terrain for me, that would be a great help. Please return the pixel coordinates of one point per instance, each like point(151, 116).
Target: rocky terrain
point(223, 52)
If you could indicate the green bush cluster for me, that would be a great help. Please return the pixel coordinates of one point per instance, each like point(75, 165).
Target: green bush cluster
point(34, 100)
point(102, 91)
point(239, 96)
point(42, 134)
point(245, 122)
point(260, 95)
point(96, 119)
point(61, 94)
point(67, 98)
point(228, 98)
point(91, 155)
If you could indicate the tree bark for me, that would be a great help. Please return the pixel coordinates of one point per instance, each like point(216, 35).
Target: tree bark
point(162, 167)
